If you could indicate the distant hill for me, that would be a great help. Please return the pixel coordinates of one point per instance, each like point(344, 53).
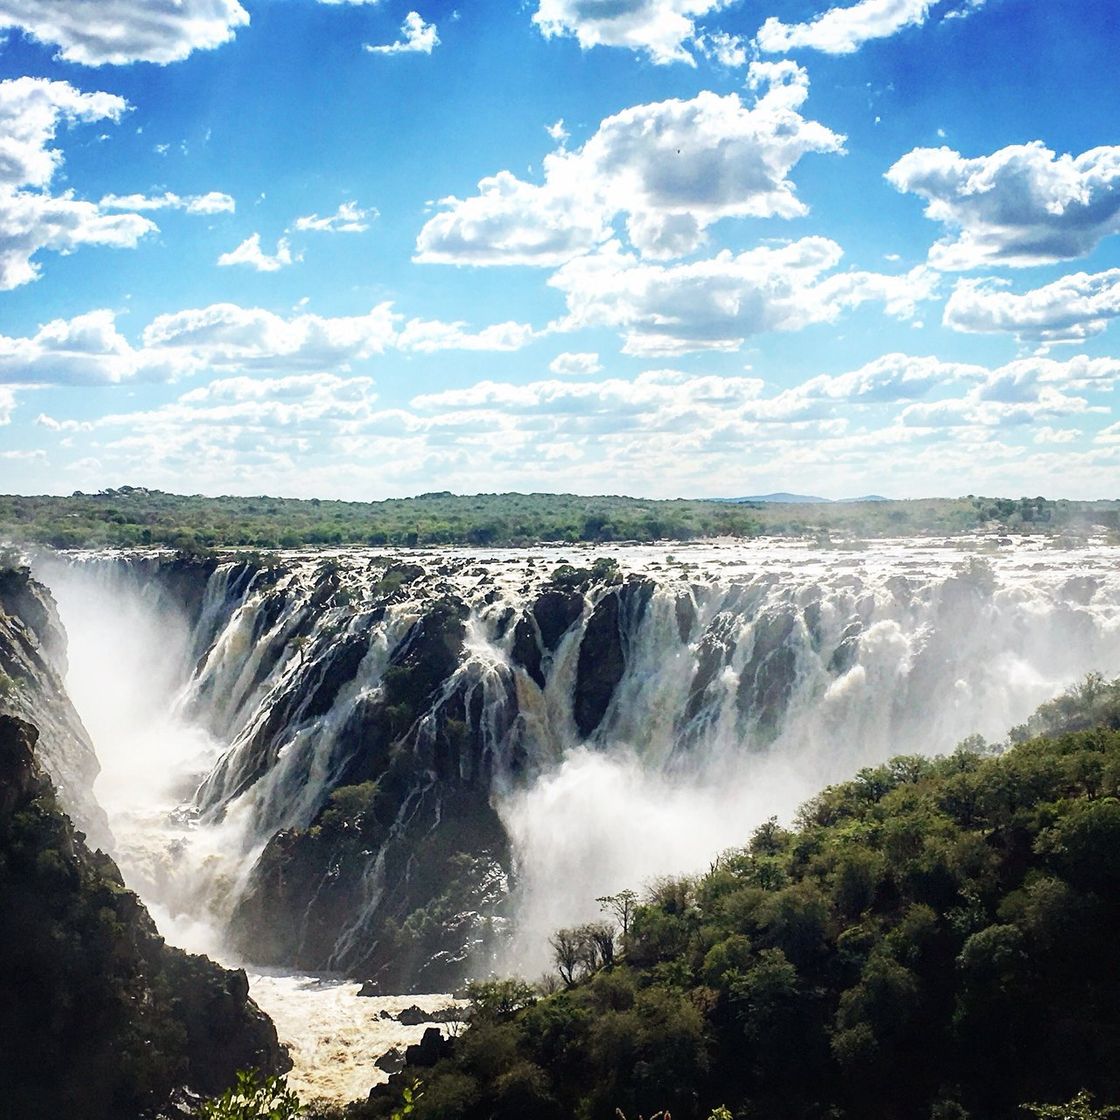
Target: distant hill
point(782, 498)
point(779, 499)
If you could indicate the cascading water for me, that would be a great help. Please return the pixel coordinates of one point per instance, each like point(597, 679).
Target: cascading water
point(333, 759)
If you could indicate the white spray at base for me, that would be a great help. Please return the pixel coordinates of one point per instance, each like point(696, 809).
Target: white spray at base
point(755, 673)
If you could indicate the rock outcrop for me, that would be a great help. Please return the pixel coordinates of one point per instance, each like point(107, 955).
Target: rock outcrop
point(32, 686)
point(101, 1019)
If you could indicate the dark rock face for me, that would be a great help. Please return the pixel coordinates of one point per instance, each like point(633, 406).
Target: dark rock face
point(847, 650)
point(32, 672)
point(392, 1061)
point(100, 1018)
point(768, 677)
point(431, 1047)
point(603, 652)
point(407, 853)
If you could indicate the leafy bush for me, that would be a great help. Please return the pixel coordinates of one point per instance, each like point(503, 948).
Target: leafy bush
point(253, 1098)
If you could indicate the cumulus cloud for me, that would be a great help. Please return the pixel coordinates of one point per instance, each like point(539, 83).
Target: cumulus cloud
point(90, 349)
point(660, 28)
point(117, 32)
point(716, 304)
point(720, 46)
point(1020, 206)
point(1071, 309)
point(348, 218)
point(31, 110)
point(416, 36)
point(924, 421)
point(426, 336)
point(843, 30)
point(1022, 392)
point(213, 202)
point(671, 168)
point(31, 218)
point(85, 350)
point(250, 253)
point(575, 365)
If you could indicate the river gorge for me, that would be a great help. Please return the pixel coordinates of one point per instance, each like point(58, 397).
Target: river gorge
point(410, 767)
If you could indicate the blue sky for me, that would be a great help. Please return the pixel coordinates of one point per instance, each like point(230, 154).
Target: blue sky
point(655, 247)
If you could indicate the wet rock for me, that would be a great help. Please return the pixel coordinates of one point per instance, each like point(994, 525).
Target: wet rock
point(413, 1016)
point(369, 988)
point(767, 680)
point(431, 1047)
point(33, 660)
point(555, 612)
point(392, 1061)
point(686, 615)
point(847, 650)
point(602, 653)
point(526, 650)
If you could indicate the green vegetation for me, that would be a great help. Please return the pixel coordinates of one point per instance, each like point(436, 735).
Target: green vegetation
point(253, 1098)
point(136, 517)
point(99, 1018)
point(934, 939)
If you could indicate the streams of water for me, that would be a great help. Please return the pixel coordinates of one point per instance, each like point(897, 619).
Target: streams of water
point(754, 673)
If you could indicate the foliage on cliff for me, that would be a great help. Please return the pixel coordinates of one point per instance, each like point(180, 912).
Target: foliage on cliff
point(137, 517)
point(935, 939)
point(101, 1020)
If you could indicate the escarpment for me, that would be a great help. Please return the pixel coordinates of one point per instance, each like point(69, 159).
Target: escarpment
point(32, 686)
point(101, 1019)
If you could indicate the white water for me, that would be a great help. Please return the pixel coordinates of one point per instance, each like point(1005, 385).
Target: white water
point(946, 649)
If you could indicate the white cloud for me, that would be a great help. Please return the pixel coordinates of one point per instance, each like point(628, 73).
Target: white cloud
point(31, 110)
point(672, 168)
point(575, 365)
point(1070, 309)
point(90, 349)
point(31, 218)
point(660, 28)
point(85, 350)
point(417, 36)
point(924, 423)
point(213, 202)
point(512, 222)
point(843, 30)
point(1057, 435)
point(558, 133)
point(1022, 392)
point(717, 304)
point(250, 253)
point(1020, 206)
point(348, 218)
point(726, 49)
point(225, 335)
point(426, 336)
point(96, 32)
point(7, 405)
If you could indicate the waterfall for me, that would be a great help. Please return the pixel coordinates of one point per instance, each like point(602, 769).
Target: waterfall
point(581, 727)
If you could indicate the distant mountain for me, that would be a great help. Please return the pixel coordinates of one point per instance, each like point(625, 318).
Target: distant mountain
point(781, 499)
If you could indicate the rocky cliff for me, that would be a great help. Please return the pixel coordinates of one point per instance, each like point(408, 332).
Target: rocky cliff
point(32, 686)
point(101, 1020)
